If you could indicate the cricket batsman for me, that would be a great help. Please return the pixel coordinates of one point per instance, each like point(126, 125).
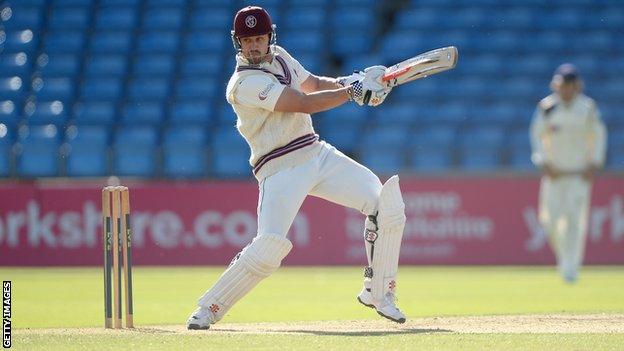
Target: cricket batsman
point(569, 141)
point(273, 96)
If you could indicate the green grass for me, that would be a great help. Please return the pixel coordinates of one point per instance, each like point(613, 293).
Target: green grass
point(72, 297)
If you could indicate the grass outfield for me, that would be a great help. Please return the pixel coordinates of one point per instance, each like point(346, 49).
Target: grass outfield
point(281, 312)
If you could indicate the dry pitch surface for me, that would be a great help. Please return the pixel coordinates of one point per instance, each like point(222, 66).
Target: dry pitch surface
point(550, 323)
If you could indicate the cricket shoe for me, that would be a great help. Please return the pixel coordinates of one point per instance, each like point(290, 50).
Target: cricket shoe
point(200, 319)
point(386, 308)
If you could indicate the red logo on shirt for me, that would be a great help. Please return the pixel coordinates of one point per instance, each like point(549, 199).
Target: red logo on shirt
point(265, 93)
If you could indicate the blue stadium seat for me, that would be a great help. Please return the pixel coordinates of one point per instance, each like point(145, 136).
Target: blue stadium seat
point(471, 17)
point(6, 146)
point(426, 88)
point(43, 113)
point(166, 3)
point(610, 18)
point(302, 41)
point(615, 154)
point(610, 90)
point(344, 136)
point(588, 65)
point(60, 65)
point(148, 89)
point(226, 115)
point(55, 89)
point(347, 113)
point(594, 42)
point(75, 3)
point(230, 154)
point(212, 18)
point(352, 18)
point(536, 64)
point(400, 45)
point(68, 18)
point(142, 113)
point(15, 64)
point(310, 3)
point(64, 41)
point(163, 18)
point(611, 114)
point(86, 151)
point(191, 113)
point(98, 89)
point(12, 88)
point(489, 64)
point(94, 113)
point(387, 154)
point(453, 112)
point(417, 19)
point(120, 18)
point(198, 88)
point(350, 43)
point(20, 41)
point(227, 3)
point(360, 62)
point(432, 149)
point(548, 42)
point(158, 41)
point(201, 64)
point(111, 42)
point(560, 19)
point(27, 17)
point(275, 11)
point(311, 62)
point(299, 18)
point(38, 154)
point(23, 3)
point(106, 65)
point(517, 18)
point(519, 147)
point(263, 3)
point(404, 114)
point(480, 148)
point(153, 65)
point(501, 113)
point(503, 41)
point(460, 39)
point(111, 3)
point(363, 3)
point(523, 88)
point(134, 152)
point(210, 42)
point(471, 88)
point(184, 152)
point(9, 114)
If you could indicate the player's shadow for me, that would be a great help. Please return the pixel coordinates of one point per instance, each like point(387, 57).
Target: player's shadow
point(151, 330)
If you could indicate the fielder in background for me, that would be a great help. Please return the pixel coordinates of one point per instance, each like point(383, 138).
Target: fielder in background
point(273, 96)
point(569, 141)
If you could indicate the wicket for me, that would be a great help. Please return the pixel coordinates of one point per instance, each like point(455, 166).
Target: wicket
point(117, 239)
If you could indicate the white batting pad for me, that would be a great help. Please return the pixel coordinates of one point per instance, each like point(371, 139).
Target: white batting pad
point(255, 262)
point(391, 222)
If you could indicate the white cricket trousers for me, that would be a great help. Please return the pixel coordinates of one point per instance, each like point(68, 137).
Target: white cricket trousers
point(563, 213)
point(330, 175)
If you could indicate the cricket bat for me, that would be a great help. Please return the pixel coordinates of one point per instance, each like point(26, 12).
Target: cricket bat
point(421, 66)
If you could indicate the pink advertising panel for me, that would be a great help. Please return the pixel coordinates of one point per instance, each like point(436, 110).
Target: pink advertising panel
point(449, 221)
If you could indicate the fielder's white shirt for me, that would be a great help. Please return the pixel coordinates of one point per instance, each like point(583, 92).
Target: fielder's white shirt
point(278, 140)
point(570, 136)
